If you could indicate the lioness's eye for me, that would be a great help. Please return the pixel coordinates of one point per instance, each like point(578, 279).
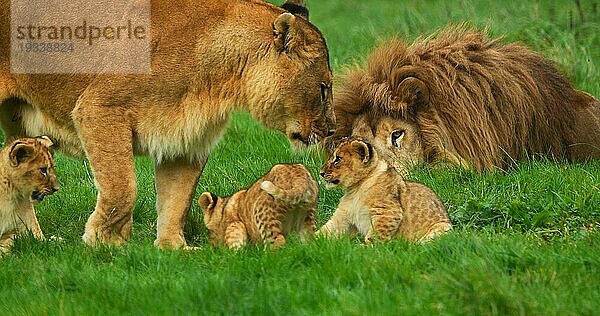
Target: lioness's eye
point(44, 171)
point(397, 136)
point(324, 88)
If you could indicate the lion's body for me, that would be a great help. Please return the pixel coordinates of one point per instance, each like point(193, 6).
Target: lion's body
point(208, 59)
point(281, 202)
point(472, 100)
point(26, 174)
point(377, 202)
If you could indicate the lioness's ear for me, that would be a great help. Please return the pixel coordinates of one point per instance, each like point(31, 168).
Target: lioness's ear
point(412, 91)
point(45, 140)
point(364, 150)
point(285, 30)
point(296, 7)
point(207, 200)
point(20, 152)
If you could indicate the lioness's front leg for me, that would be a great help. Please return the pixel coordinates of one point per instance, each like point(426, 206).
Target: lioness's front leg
point(176, 181)
point(106, 135)
point(6, 242)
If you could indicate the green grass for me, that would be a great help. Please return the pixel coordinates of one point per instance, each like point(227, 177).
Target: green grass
point(526, 241)
point(466, 272)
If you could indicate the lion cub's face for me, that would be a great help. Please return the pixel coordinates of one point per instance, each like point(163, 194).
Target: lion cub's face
point(352, 161)
point(213, 208)
point(30, 166)
point(397, 140)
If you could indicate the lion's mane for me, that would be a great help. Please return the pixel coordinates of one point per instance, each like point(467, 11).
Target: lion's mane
point(490, 103)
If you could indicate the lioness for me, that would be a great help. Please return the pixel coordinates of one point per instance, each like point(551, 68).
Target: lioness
point(26, 175)
point(209, 58)
point(378, 203)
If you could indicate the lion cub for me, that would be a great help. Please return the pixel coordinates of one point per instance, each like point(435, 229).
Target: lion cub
point(26, 176)
point(283, 201)
point(378, 202)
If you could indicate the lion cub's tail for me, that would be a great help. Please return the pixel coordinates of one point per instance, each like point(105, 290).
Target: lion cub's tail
point(299, 192)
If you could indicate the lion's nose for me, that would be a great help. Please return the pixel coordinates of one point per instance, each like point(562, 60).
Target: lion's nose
point(54, 190)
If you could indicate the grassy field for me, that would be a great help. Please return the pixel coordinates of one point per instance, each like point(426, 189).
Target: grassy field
point(526, 241)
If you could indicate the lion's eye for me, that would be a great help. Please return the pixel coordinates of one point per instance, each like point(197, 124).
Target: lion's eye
point(337, 159)
point(44, 171)
point(396, 137)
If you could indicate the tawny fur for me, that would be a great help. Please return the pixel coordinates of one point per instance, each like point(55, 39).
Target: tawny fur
point(378, 203)
point(471, 100)
point(209, 58)
point(281, 202)
point(26, 175)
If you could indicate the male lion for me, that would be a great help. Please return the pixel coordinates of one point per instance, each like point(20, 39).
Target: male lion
point(461, 97)
point(27, 175)
point(208, 59)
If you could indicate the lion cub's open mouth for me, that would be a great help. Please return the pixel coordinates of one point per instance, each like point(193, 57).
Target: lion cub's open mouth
point(37, 196)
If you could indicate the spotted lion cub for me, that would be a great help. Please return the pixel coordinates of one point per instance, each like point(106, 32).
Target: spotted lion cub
point(26, 176)
point(283, 201)
point(378, 202)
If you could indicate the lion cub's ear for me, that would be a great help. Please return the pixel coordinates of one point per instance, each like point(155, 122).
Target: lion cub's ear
point(287, 35)
point(20, 152)
point(207, 201)
point(45, 140)
point(296, 7)
point(364, 150)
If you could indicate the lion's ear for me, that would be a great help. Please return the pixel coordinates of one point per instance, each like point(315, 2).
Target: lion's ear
point(413, 92)
point(207, 201)
point(20, 152)
point(296, 7)
point(364, 150)
point(286, 33)
point(45, 140)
